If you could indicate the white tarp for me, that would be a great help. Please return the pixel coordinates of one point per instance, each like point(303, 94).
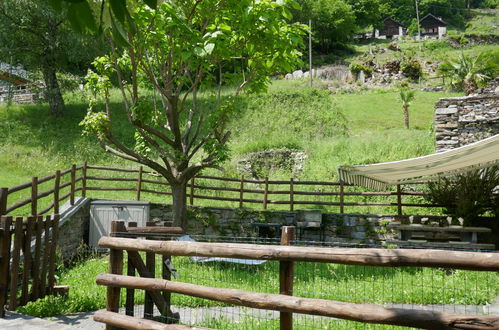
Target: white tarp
point(480, 154)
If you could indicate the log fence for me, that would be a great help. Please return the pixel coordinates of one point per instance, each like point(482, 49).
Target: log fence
point(27, 256)
point(239, 192)
point(287, 255)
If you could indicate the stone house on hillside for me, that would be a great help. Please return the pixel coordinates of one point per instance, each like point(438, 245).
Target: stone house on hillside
point(391, 30)
point(433, 27)
point(14, 83)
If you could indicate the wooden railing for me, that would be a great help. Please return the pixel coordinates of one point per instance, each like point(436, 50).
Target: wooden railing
point(238, 192)
point(27, 259)
point(286, 255)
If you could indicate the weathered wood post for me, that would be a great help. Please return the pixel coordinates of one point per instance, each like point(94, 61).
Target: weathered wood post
point(399, 200)
point(4, 192)
point(266, 193)
point(286, 274)
point(130, 293)
point(16, 254)
point(34, 195)
point(342, 198)
point(57, 184)
point(115, 267)
point(191, 197)
point(241, 192)
point(150, 265)
point(52, 256)
point(291, 194)
point(5, 236)
point(139, 183)
point(73, 185)
point(84, 180)
point(30, 227)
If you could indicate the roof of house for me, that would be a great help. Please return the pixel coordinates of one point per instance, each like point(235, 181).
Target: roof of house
point(430, 17)
point(394, 21)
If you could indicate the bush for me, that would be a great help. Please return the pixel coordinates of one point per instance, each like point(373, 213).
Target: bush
point(467, 195)
point(412, 69)
point(355, 68)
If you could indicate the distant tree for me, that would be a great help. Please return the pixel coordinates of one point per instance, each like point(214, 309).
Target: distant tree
point(468, 73)
point(34, 35)
point(178, 50)
point(406, 96)
point(368, 13)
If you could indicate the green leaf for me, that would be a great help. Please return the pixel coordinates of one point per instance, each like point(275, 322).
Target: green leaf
point(81, 17)
point(119, 35)
point(209, 48)
point(199, 51)
point(119, 8)
point(286, 13)
point(152, 3)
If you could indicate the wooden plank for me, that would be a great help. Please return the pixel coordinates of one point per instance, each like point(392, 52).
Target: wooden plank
point(45, 258)
point(342, 198)
point(73, 185)
point(57, 186)
point(37, 258)
point(156, 229)
point(241, 192)
point(368, 313)
point(151, 266)
point(4, 193)
point(28, 260)
point(84, 180)
point(130, 293)
point(480, 261)
point(191, 195)
point(139, 182)
point(52, 256)
point(444, 229)
point(129, 322)
point(5, 242)
point(34, 196)
point(291, 194)
point(266, 193)
point(16, 255)
point(399, 200)
point(286, 274)
point(115, 267)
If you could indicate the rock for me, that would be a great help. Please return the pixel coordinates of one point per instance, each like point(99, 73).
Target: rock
point(288, 76)
point(298, 74)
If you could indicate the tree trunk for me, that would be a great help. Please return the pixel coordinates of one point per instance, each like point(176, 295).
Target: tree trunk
point(469, 86)
point(406, 115)
point(179, 208)
point(53, 93)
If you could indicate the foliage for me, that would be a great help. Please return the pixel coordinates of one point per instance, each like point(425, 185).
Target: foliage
point(356, 67)
point(367, 13)
point(406, 95)
point(411, 68)
point(467, 195)
point(467, 73)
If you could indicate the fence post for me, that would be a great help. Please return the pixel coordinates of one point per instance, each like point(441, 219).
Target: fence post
point(191, 197)
point(115, 267)
point(291, 194)
point(130, 293)
point(34, 195)
point(73, 185)
point(266, 193)
point(4, 261)
point(286, 274)
point(57, 184)
point(4, 192)
point(150, 265)
point(84, 180)
point(342, 198)
point(399, 200)
point(53, 249)
point(139, 183)
point(241, 191)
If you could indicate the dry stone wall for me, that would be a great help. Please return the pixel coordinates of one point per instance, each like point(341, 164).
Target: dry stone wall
point(463, 120)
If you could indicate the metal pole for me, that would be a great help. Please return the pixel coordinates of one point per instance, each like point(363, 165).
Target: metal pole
point(417, 17)
point(310, 50)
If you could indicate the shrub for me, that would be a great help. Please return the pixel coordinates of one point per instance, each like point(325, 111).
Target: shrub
point(412, 69)
point(355, 68)
point(467, 195)
point(392, 66)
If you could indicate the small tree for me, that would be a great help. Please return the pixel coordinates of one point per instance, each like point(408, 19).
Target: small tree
point(406, 95)
point(468, 73)
point(179, 49)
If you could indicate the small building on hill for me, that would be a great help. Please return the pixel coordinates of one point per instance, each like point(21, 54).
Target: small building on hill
point(15, 85)
point(391, 30)
point(432, 27)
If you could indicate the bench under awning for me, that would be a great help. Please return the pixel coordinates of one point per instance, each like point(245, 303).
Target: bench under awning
point(481, 154)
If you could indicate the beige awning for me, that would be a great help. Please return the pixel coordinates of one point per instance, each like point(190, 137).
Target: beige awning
point(480, 154)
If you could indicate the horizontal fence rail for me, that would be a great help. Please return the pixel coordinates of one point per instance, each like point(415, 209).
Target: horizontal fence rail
point(284, 302)
point(65, 184)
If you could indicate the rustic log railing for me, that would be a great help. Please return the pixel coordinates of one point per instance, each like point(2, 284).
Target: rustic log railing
point(236, 191)
point(287, 255)
point(27, 259)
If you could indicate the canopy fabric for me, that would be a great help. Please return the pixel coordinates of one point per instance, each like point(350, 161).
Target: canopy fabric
point(484, 153)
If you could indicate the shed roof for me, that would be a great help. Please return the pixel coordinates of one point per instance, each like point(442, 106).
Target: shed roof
point(484, 153)
point(430, 17)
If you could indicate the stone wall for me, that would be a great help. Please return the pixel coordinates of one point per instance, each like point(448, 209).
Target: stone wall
point(74, 228)
point(463, 120)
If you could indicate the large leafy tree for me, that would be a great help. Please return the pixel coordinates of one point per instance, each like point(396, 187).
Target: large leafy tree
point(179, 49)
point(36, 36)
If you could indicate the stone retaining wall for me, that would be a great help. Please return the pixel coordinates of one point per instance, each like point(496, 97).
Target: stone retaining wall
point(463, 120)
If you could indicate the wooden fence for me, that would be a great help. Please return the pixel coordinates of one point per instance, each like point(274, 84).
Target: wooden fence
point(27, 259)
point(239, 192)
point(282, 302)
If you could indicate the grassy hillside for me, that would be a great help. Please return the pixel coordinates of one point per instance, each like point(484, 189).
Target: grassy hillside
point(333, 130)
